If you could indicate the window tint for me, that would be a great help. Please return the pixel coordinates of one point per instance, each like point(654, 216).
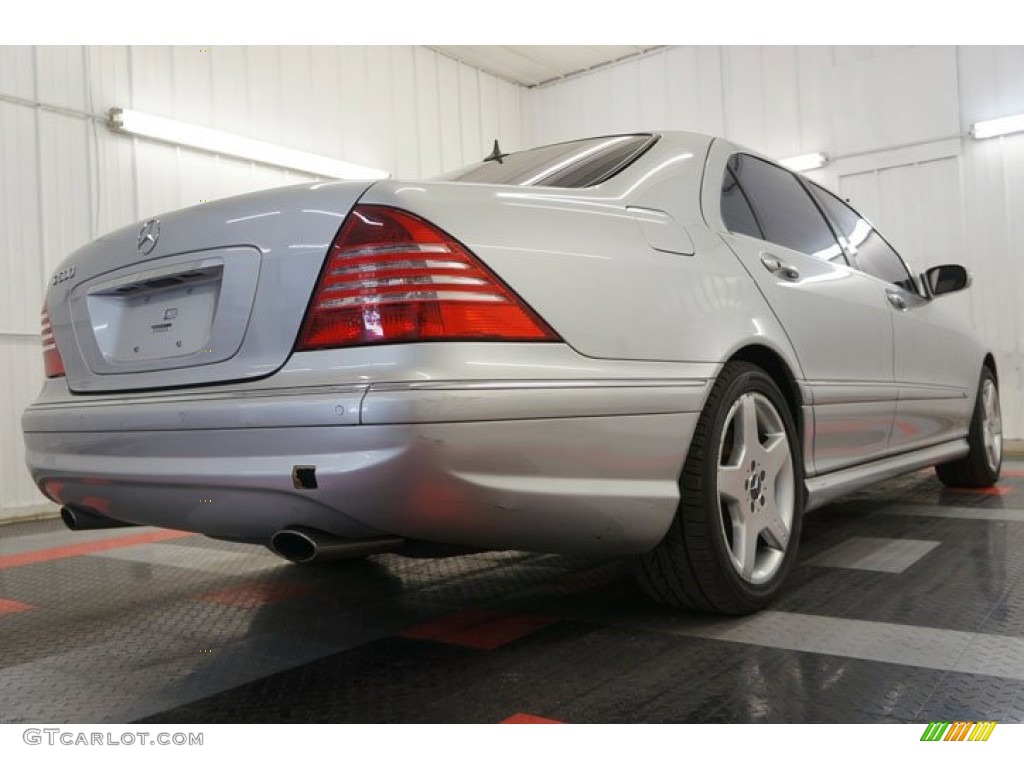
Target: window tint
point(869, 250)
point(784, 211)
point(736, 211)
point(571, 164)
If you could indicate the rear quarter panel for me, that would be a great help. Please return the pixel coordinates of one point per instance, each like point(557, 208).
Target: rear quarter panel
point(581, 259)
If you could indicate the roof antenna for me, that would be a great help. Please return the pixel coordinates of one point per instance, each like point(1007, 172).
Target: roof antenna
point(496, 154)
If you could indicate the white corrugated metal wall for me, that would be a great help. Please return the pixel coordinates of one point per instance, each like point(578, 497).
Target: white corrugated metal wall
point(894, 121)
point(65, 179)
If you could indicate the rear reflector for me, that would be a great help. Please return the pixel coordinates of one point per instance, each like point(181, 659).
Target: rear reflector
point(53, 366)
point(391, 276)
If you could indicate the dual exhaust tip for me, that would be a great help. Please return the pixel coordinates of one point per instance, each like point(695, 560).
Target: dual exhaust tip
point(308, 545)
point(84, 519)
point(297, 544)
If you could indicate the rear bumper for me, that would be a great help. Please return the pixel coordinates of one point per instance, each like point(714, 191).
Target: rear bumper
point(566, 466)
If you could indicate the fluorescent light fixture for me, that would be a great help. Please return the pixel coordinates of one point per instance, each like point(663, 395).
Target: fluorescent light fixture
point(986, 129)
point(218, 142)
point(801, 163)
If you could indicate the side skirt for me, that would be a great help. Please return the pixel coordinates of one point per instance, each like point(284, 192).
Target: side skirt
point(825, 488)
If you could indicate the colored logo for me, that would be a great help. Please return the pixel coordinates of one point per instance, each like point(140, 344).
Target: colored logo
point(960, 730)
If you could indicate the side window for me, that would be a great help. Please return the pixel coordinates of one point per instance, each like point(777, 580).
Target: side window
point(782, 208)
point(869, 250)
point(736, 212)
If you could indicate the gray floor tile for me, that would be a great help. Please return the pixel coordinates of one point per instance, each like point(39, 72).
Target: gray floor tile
point(206, 560)
point(959, 513)
point(13, 545)
point(874, 554)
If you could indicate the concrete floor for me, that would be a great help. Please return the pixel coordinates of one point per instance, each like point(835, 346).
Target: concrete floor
point(907, 606)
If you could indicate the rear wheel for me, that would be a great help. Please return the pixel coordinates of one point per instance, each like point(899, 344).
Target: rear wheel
point(735, 533)
point(981, 466)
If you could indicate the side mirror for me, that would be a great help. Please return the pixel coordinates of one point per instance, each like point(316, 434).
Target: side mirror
point(947, 278)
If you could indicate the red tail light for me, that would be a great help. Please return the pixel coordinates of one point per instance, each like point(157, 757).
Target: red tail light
point(391, 276)
point(53, 366)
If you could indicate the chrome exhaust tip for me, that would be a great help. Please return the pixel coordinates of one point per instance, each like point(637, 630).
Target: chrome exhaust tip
point(83, 519)
point(293, 545)
point(308, 545)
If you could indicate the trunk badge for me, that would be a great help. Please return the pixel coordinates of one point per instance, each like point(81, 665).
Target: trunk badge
point(148, 236)
point(64, 274)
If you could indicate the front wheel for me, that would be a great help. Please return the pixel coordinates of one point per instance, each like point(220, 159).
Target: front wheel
point(734, 537)
point(980, 468)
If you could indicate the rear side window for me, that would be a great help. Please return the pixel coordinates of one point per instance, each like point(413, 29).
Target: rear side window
point(869, 250)
point(782, 209)
point(736, 211)
point(572, 164)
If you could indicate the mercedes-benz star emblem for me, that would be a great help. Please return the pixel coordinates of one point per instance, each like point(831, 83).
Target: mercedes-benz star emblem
point(148, 236)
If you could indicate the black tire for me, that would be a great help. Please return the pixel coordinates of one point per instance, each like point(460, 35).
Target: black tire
point(979, 468)
point(693, 566)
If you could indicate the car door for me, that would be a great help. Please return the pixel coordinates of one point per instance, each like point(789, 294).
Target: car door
point(837, 318)
point(931, 347)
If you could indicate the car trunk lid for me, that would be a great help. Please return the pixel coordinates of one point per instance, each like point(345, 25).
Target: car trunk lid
point(204, 295)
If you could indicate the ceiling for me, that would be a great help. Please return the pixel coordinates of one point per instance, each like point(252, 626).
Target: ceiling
point(532, 65)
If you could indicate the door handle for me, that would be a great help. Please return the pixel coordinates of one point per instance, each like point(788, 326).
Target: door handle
point(778, 267)
point(896, 300)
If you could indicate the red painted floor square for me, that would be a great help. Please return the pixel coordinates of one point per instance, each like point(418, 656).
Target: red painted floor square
point(523, 718)
point(255, 594)
point(13, 606)
point(87, 548)
point(995, 490)
point(477, 628)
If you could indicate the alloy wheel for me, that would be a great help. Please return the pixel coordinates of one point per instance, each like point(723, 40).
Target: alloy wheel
point(991, 425)
point(756, 487)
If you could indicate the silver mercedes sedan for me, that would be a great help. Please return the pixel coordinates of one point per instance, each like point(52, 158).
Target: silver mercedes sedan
point(656, 344)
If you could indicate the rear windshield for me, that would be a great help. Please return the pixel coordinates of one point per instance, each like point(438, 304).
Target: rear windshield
point(575, 164)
